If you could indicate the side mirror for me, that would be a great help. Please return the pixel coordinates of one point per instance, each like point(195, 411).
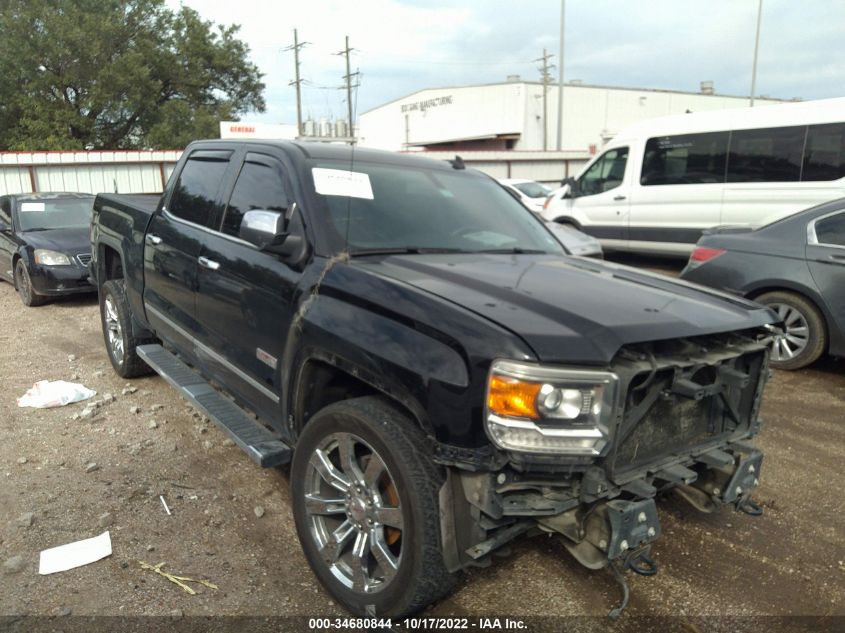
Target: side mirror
point(273, 233)
point(570, 185)
point(263, 228)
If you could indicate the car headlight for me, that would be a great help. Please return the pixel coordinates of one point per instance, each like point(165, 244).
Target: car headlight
point(541, 409)
point(51, 258)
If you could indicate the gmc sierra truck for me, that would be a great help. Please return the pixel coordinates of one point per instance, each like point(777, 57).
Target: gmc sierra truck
point(441, 375)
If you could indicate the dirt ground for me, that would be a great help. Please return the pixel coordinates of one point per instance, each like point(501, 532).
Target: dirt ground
point(790, 561)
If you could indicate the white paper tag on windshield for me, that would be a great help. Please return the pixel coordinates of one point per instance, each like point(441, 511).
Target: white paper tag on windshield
point(32, 206)
point(338, 182)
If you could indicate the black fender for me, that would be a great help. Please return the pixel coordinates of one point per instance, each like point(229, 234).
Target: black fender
point(140, 327)
point(392, 357)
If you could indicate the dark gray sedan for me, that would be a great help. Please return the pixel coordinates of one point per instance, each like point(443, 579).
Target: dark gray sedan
point(796, 266)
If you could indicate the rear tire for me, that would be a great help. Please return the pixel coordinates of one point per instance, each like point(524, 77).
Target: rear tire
point(23, 284)
point(390, 480)
point(121, 345)
point(805, 339)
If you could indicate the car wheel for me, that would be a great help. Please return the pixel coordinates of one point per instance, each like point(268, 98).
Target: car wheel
point(805, 337)
point(365, 501)
point(121, 345)
point(23, 284)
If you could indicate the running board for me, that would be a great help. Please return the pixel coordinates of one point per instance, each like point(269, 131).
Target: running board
point(263, 446)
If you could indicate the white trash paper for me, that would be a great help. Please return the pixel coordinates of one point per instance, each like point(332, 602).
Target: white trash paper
point(56, 393)
point(76, 554)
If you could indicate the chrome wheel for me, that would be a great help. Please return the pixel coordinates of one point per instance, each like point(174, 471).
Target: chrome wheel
point(354, 514)
point(796, 335)
point(113, 330)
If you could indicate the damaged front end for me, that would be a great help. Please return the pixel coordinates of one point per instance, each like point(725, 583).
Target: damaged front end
point(583, 454)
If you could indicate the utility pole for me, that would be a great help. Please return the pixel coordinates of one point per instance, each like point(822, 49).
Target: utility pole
point(348, 77)
point(544, 72)
point(560, 76)
point(756, 47)
point(298, 81)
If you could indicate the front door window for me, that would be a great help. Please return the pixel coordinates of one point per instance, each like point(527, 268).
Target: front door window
point(605, 174)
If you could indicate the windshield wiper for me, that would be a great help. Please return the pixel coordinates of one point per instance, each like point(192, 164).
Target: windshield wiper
point(515, 250)
point(404, 250)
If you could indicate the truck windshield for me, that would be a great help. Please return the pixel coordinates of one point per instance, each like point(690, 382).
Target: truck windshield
point(378, 207)
point(54, 213)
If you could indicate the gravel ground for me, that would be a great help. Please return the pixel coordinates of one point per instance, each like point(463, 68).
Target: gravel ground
point(231, 521)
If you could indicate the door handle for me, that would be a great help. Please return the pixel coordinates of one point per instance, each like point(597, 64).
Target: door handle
point(208, 263)
point(152, 239)
point(618, 197)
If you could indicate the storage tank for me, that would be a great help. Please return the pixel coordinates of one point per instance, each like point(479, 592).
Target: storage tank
point(341, 129)
point(309, 128)
point(325, 128)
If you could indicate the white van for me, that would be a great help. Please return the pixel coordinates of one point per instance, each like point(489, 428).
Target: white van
point(661, 182)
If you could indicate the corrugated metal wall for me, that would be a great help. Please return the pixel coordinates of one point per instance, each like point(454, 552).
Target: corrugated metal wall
point(546, 167)
point(88, 172)
point(147, 172)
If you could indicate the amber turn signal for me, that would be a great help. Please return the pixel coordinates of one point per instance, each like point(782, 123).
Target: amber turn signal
point(513, 398)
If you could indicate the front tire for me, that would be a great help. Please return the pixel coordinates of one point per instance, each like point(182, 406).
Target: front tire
point(805, 338)
point(116, 320)
point(23, 284)
point(365, 501)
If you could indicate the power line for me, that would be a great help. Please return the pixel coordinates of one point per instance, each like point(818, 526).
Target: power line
point(298, 81)
point(348, 77)
point(546, 77)
point(560, 75)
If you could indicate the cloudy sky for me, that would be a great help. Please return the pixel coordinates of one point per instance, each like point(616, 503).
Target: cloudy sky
point(405, 45)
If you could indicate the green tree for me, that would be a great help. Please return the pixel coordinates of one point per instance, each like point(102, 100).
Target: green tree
point(118, 74)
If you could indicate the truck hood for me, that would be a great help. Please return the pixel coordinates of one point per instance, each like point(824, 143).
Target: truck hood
point(569, 310)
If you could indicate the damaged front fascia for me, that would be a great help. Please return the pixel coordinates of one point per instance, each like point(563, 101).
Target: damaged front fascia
point(502, 488)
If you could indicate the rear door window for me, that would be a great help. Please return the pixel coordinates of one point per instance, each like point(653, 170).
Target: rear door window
point(824, 155)
point(831, 230)
point(6, 210)
point(688, 159)
point(766, 155)
point(260, 185)
point(195, 196)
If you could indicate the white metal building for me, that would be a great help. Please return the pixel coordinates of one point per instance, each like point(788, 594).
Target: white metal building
point(509, 115)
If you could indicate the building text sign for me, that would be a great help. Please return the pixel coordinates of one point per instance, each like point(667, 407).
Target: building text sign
point(425, 104)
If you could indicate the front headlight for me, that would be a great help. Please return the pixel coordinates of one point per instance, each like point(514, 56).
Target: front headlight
point(51, 258)
point(541, 409)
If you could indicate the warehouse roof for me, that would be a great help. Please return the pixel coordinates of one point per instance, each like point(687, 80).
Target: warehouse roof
point(570, 85)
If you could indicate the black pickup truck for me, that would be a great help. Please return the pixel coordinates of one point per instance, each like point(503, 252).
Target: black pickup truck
point(441, 375)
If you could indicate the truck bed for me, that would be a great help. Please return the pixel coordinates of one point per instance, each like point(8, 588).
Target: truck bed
point(144, 201)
